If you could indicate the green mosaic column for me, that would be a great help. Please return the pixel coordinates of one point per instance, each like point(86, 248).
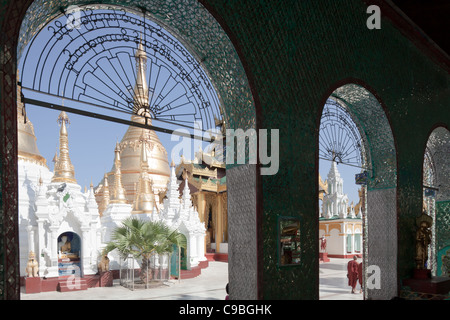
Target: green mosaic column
point(443, 238)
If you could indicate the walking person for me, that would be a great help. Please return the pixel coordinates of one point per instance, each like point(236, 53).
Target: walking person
point(352, 272)
point(360, 277)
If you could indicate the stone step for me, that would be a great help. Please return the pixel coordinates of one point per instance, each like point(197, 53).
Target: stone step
point(213, 256)
point(189, 274)
point(72, 284)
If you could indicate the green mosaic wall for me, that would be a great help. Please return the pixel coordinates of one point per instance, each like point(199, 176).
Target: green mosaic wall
point(442, 224)
point(296, 52)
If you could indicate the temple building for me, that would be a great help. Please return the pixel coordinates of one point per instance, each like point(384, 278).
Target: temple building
point(58, 222)
point(32, 171)
point(207, 182)
point(339, 222)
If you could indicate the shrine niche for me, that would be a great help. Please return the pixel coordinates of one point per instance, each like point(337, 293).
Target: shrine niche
point(69, 253)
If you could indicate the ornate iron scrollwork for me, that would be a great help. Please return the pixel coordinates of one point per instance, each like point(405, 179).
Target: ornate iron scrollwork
point(339, 137)
point(88, 57)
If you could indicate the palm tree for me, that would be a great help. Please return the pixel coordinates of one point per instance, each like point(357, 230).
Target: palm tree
point(142, 239)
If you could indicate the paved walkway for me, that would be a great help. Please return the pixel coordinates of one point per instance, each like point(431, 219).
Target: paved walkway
point(333, 282)
point(210, 285)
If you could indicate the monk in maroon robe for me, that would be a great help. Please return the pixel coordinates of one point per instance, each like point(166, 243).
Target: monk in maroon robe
point(360, 279)
point(352, 273)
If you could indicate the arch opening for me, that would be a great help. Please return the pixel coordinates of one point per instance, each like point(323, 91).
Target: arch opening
point(436, 199)
point(355, 136)
point(234, 80)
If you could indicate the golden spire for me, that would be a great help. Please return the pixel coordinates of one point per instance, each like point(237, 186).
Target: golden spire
point(145, 200)
point(106, 188)
point(64, 171)
point(55, 158)
point(141, 99)
point(118, 193)
point(105, 197)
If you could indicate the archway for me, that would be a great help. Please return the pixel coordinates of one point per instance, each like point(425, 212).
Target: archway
point(211, 46)
point(436, 199)
point(377, 159)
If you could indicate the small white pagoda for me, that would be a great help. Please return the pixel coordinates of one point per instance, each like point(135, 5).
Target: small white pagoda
point(339, 222)
point(58, 221)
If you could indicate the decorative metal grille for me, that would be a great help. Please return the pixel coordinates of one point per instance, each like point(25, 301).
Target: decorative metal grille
point(339, 138)
point(89, 55)
point(193, 25)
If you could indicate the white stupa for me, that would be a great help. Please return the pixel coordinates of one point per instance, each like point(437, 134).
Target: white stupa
point(335, 202)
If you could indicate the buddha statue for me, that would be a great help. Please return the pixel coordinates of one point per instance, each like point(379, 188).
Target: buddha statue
point(64, 245)
point(423, 240)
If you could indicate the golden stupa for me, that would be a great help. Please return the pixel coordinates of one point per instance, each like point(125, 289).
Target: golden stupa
point(26, 139)
point(130, 146)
